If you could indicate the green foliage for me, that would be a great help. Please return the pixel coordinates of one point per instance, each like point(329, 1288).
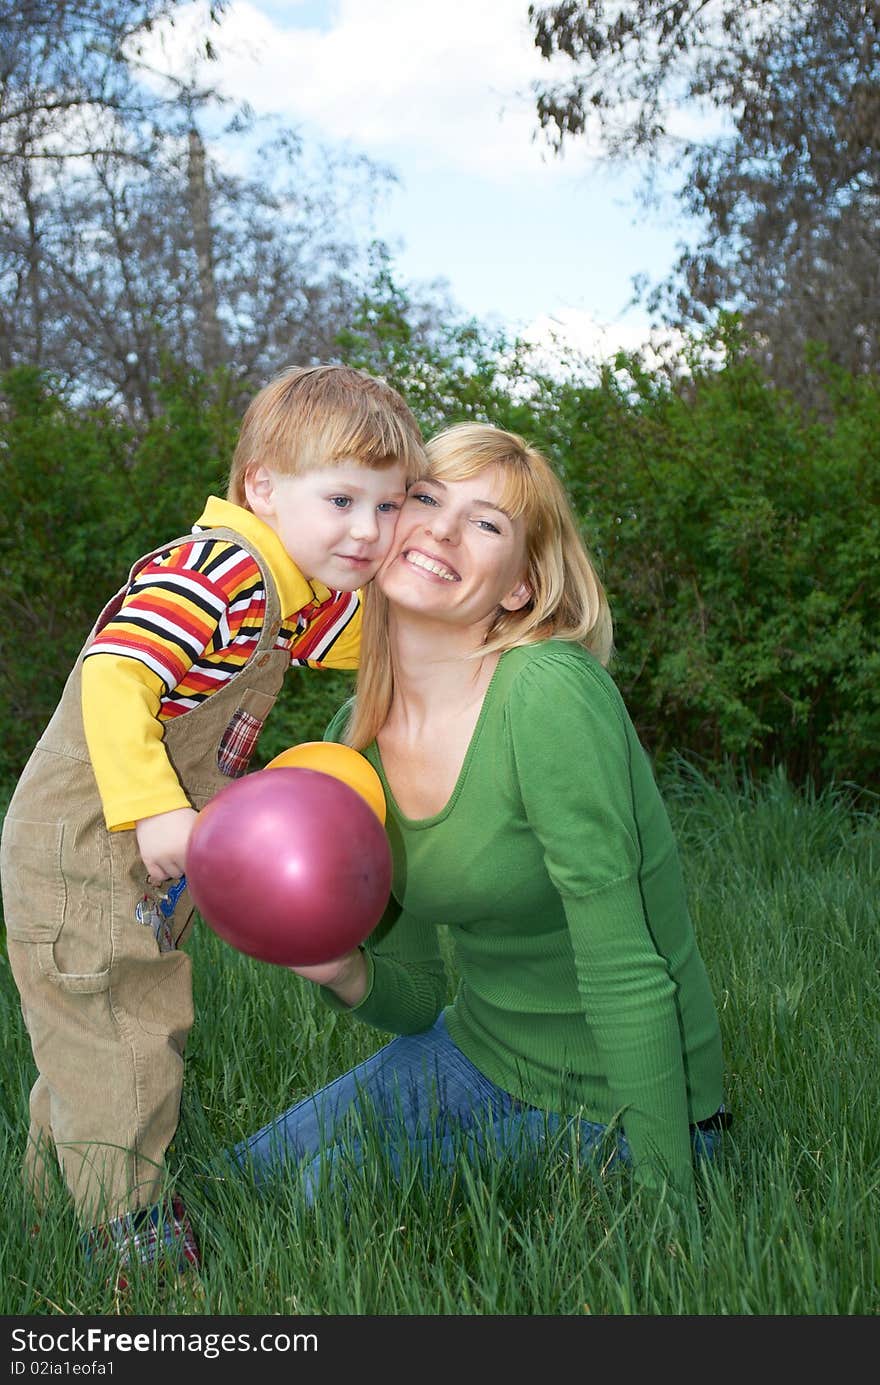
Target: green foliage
point(65, 506)
point(81, 498)
point(301, 713)
point(739, 540)
point(448, 370)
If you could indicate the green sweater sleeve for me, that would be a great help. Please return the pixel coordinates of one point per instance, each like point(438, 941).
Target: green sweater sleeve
point(572, 743)
point(408, 979)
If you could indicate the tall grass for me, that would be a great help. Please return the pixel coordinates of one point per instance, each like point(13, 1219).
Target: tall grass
point(783, 887)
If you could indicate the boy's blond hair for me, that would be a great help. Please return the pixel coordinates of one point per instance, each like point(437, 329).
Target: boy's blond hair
point(314, 416)
point(568, 600)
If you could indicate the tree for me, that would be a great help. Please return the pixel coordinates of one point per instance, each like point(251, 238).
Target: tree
point(787, 194)
point(69, 81)
point(122, 237)
point(71, 107)
point(185, 260)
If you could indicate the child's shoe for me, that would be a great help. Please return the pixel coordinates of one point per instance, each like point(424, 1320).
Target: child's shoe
point(161, 1234)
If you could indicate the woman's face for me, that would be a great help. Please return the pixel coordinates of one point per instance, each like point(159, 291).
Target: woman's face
point(457, 555)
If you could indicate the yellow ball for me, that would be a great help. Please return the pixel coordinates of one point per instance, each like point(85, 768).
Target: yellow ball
point(341, 762)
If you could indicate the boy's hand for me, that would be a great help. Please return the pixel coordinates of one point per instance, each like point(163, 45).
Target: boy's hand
point(162, 841)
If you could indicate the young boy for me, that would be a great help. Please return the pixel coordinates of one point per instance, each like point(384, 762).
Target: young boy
point(164, 707)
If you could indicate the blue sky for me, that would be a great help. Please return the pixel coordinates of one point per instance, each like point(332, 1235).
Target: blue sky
point(440, 91)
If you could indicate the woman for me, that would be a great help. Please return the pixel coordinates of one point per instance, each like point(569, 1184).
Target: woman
point(524, 817)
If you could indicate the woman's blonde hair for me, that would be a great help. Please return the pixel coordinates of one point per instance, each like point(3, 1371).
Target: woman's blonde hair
point(313, 416)
point(567, 601)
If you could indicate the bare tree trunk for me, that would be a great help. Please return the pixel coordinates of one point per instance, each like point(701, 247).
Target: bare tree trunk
point(210, 330)
point(34, 267)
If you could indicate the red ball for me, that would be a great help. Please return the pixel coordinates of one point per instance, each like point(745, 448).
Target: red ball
point(289, 865)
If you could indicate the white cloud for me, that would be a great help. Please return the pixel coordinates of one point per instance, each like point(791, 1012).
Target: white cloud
point(573, 337)
point(440, 91)
point(447, 82)
point(572, 330)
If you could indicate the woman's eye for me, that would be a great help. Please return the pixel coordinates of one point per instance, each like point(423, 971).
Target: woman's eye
point(341, 502)
point(488, 527)
point(422, 498)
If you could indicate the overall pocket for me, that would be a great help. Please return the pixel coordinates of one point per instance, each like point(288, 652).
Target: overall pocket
point(56, 905)
point(34, 889)
point(242, 732)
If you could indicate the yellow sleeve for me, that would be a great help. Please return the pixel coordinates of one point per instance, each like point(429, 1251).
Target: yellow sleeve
point(120, 706)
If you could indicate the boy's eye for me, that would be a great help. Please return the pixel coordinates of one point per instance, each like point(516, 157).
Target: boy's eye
point(388, 506)
point(341, 502)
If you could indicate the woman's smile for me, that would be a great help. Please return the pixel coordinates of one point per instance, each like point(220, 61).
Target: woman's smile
point(427, 563)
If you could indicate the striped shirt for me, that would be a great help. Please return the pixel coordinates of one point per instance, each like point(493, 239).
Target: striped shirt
point(194, 617)
point(188, 622)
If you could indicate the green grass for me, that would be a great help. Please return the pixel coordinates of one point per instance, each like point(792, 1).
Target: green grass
point(784, 893)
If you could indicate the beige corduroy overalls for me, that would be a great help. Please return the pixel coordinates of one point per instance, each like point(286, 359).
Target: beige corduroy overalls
point(107, 1009)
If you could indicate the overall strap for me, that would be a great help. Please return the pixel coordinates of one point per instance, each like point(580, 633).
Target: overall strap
point(272, 622)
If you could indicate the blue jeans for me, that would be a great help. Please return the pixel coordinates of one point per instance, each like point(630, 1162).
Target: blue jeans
point(425, 1100)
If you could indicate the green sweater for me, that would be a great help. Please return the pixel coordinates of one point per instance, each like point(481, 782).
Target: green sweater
point(553, 865)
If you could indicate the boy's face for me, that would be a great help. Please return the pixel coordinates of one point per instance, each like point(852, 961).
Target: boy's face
point(336, 523)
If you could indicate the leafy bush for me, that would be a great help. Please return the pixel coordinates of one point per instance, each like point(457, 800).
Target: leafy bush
point(739, 540)
point(81, 498)
point(740, 546)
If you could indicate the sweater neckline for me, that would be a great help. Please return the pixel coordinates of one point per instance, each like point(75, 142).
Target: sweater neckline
point(419, 824)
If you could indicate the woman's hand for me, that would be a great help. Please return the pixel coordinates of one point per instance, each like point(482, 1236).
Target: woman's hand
point(345, 976)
